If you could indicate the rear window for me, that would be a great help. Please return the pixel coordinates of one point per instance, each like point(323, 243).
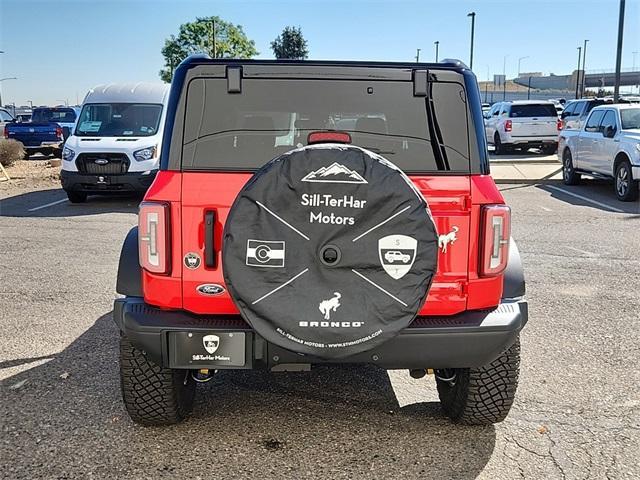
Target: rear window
point(64, 115)
point(533, 110)
point(272, 116)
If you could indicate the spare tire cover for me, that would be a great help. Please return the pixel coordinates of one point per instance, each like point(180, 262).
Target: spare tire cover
point(329, 250)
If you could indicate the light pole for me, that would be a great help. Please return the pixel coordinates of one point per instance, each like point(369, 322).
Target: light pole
point(2, 80)
point(634, 63)
point(616, 88)
point(578, 71)
point(30, 104)
point(437, 44)
point(520, 60)
point(418, 55)
point(473, 26)
point(504, 77)
point(584, 68)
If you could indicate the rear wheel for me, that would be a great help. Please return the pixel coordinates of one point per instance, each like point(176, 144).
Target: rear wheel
point(77, 197)
point(569, 174)
point(153, 395)
point(497, 143)
point(480, 396)
point(549, 149)
point(627, 188)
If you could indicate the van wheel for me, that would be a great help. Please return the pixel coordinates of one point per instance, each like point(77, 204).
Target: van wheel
point(569, 174)
point(480, 396)
point(627, 188)
point(77, 197)
point(153, 395)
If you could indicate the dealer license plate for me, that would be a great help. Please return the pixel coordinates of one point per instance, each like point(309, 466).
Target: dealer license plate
point(206, 350)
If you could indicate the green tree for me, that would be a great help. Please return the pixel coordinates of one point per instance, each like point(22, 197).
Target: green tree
point(290, 44)
point(197, 37)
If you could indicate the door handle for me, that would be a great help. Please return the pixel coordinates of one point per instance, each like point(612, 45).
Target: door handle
point(210, 256)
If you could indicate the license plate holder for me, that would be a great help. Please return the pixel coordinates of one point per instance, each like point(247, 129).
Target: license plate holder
point(213, 350)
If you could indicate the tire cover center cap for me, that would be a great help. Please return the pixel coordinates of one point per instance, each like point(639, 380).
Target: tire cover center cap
point(329, 251)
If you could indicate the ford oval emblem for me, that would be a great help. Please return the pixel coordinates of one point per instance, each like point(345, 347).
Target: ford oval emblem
point(101, 161)
point(210, 289)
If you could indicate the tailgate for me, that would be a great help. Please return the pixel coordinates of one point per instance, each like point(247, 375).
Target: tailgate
point(448, 197)
point(32, 135)
point(534, 127)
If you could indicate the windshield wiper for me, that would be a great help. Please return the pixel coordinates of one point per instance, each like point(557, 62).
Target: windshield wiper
point(437, 143)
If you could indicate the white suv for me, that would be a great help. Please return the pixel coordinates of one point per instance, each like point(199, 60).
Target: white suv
point(524, 125)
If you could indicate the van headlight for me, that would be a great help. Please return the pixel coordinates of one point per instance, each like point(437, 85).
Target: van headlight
point(145, 154)
point(68, 154)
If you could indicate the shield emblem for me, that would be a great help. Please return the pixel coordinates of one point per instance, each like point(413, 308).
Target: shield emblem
point(211, 343)
point(397, 254)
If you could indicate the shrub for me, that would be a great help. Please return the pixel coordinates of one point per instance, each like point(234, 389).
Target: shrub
point(10, 152)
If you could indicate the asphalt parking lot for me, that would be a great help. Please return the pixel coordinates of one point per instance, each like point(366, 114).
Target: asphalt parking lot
point(576, 416)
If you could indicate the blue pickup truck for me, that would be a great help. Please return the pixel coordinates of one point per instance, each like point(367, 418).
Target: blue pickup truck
point(46, 132)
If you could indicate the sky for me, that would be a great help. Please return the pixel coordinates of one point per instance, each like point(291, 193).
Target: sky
point(59, 49)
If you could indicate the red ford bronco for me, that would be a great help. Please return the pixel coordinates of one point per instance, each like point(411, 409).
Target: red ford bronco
point(313, 213)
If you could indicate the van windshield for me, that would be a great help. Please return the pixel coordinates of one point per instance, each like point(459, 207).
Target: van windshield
point(119, 120)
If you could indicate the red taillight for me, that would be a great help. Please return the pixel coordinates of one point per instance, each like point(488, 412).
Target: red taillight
point(496, 232)
point(153, 237)
point(328, 137)
point(6, 131)
point(508, 125)
point(59, 132)
point(560, 124)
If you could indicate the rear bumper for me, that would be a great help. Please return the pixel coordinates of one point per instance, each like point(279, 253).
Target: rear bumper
point(531, 141)
point(471, 339)
point(44, 146)
point(127, 182)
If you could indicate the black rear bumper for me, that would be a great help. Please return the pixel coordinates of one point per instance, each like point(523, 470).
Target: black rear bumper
point(471, 339)
point(126, 183)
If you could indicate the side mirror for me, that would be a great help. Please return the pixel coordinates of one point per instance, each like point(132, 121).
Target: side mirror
point(609, 131)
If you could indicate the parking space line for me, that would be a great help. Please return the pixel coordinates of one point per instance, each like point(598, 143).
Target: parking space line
point(545, 208)
point(579, 250)
point(586, 199)
point(47, 205)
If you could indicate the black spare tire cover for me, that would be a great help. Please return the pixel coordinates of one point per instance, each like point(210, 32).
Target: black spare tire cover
point(329, 250)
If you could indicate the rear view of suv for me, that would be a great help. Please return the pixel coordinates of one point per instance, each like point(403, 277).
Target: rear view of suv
point(523, 125)
point(313, 213)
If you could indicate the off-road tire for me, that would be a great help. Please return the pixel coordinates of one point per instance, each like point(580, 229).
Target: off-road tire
point(482, 396)
point(626, 186)
point(153, 395)
point(569, 174)
point(77, 197)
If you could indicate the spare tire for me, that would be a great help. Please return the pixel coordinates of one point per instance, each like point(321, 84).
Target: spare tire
point(329, 250)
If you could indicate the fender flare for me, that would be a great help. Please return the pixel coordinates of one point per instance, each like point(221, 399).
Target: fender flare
point(129, 281)
point(514, 283)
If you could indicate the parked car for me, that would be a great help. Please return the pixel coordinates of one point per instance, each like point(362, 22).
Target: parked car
point(522, 124)
point(64, 116)
point(233, 263)
point(5, 118)
point(117, 141)
point(607, 146)
point(576, 111)
point(40, 135)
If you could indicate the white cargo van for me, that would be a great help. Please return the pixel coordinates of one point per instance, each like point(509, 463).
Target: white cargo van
point(115, 146)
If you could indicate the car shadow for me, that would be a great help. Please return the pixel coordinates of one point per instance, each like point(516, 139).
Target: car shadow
point(65, 419)
point(53, 203)
point(599, 191)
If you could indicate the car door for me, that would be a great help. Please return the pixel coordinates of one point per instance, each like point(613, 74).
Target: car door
point(490, 124)
point(573, 121)
point(607, 145)
point(588, 141)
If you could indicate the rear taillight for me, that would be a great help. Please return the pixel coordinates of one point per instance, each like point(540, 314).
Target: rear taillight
point(496, 232)
point(508, 125)
point(560, 123)
point(6, 131)
point(59, 132)
point(153, 237)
